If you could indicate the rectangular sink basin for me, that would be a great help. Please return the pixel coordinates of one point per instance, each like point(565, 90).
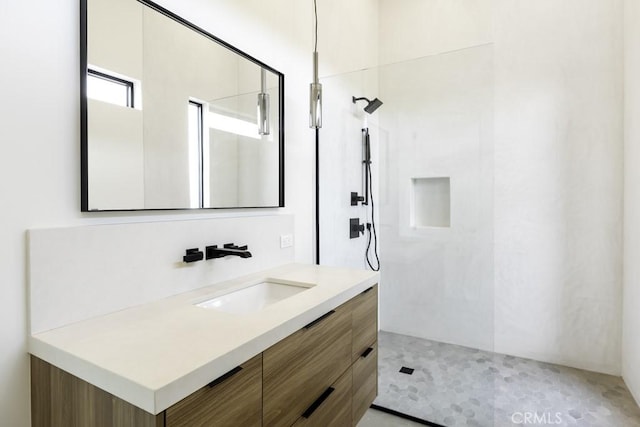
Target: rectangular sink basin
point(254, 298)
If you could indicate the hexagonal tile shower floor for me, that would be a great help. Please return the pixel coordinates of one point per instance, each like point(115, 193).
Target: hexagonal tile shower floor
point(458, 386)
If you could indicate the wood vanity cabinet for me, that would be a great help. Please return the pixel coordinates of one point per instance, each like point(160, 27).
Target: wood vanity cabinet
point(298, 369)
point(365, 382)
point(338, 351)
point(333, 408)
point(59, 399)
point(324, 374)
point(235, 399)
point(364, 308)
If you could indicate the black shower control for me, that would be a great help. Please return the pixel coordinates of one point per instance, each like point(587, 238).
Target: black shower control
point(355, 228)
point(355, 198)
point(193, 255)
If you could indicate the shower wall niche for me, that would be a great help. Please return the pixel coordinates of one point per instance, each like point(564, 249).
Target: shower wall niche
point(430, 202)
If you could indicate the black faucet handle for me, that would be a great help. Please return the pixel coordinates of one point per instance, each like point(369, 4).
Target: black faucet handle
point(193, 255)
point(212, 253)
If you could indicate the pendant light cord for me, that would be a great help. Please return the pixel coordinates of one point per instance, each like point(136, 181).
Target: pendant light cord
point(315, 49)
point(317, 196)
point(315, 8)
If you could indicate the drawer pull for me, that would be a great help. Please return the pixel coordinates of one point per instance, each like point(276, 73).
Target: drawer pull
point(366, 352)
point(319, 319)
point(317, 403)
point(364, 292)
point(225, 376)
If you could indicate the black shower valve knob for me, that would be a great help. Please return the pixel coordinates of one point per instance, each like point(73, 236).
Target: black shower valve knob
point(355, 228)
point(355, 198)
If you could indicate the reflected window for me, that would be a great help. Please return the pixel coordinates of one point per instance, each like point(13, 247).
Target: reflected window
point(107, 88)
point(233, 125)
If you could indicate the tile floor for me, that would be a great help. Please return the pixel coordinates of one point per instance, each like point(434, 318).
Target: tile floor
point(459, 386)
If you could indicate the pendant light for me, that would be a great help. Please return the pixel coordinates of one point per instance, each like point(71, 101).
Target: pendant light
point(315, 89)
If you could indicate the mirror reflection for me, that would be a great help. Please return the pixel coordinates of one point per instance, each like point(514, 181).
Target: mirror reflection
point(175, 119)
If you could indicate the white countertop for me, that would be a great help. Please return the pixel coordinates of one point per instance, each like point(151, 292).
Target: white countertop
point(156, 354)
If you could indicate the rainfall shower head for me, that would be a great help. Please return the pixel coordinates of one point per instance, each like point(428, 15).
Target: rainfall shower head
point(371, 105)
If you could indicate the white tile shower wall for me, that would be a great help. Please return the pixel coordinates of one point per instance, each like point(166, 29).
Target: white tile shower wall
point(81, 272)
point(631, 315)
point(438, 117)
point(558, 181)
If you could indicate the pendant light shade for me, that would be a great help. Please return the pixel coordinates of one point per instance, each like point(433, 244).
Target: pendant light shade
point(315, 97)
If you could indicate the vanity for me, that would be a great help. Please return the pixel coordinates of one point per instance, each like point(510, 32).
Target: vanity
point(308, 358)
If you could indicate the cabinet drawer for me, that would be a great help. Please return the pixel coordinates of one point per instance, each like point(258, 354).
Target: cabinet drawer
point(301, 367)
point(365, 381)
point(365, 321)
point(232, 401)
point(333, 406)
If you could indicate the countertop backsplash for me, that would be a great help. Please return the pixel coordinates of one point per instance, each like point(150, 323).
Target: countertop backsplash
point(76, 273)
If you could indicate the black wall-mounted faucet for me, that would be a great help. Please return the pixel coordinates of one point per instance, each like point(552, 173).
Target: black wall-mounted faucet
point(228, 249)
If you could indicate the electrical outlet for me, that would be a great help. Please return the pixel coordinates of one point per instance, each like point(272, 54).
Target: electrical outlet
point(286, 241)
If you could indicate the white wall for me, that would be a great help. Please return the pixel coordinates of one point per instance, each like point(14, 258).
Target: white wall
point(40, 115)
point(557, 78)
point(39, 166)
point(631, 316)
point(411, 29)
point(558, 181)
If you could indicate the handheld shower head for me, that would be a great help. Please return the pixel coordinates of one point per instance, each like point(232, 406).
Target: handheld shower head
point(371, 105)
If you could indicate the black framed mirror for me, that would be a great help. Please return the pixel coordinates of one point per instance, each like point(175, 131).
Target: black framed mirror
point(173, 117)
